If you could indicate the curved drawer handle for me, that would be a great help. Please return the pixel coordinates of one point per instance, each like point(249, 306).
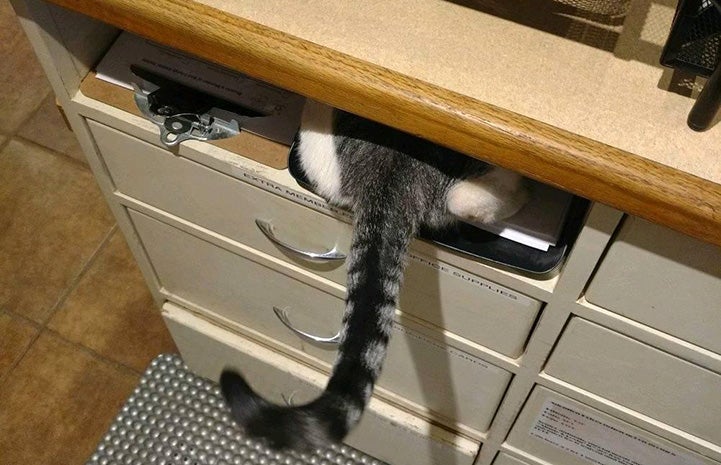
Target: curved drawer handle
point(282, 315)
point(331, 255)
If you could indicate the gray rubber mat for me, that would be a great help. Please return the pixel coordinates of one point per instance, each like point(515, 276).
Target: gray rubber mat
point(177, 418)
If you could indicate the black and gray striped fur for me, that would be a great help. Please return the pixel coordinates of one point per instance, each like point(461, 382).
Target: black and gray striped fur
point(395, 184)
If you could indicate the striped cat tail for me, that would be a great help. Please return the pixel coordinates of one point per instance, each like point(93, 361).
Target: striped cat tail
point(375, 270)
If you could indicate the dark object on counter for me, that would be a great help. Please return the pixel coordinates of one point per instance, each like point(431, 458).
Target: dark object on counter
point(694, 45)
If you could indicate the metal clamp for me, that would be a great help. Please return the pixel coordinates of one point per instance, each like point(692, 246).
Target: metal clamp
point(332, 255)
point(282, 315)
point(183, 113)
point(180, 127)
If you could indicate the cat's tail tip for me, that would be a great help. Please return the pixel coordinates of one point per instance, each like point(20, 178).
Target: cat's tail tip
point(301, 428)
point(244, 403)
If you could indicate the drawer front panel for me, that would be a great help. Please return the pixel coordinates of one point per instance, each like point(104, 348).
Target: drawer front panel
point(663, 279)
point(640, 377)
point(218, 202)
point(556, 429)
point(384, 432)
point(451, 383)
point(505, 459)
point(476, 309)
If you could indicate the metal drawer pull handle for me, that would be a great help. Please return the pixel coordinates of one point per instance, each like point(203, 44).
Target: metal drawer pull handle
point(331, 255)
point(282, 315)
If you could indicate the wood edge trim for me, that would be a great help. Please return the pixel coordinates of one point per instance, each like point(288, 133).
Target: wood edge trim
point(588, 168)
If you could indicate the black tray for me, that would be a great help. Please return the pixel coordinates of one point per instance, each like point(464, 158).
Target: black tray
point(487, 246)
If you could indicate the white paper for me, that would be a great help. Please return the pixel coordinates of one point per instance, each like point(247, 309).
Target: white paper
point(596, 440)
point(540, 222)
point(284, 107)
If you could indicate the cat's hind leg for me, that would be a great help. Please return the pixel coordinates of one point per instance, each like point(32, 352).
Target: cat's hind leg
point(493, 196)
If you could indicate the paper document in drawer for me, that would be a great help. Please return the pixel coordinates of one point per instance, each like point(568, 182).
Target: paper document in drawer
point(556, 429)
point(540, 222)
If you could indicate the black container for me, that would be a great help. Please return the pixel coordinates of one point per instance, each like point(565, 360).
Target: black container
point(694, 45)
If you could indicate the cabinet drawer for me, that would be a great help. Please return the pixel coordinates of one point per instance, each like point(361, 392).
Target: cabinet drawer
point(639, 377)
point(663, 279)
point(218, 202)
point(505, 459)
point(449, 382)
point(474, 308)
point(384, 432)
point(556, 429)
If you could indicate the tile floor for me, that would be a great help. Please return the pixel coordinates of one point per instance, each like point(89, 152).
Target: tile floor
point(77, 323)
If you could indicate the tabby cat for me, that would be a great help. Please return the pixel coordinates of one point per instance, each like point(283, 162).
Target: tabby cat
point(395, 184)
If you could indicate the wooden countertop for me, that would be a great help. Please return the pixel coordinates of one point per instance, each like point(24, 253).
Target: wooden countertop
point(580, 106)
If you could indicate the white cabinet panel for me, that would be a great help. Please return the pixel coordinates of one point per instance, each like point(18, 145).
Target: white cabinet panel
point(558, 430)
point(639, 377)
point(663, 279)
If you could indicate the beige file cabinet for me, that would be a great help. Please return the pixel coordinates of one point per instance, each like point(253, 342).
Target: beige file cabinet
point(628, 330)
point(411, 372)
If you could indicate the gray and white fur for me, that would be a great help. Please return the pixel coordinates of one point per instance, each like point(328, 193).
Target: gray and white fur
point(395, 184)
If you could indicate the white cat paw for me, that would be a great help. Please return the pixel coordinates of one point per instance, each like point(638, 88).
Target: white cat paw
point(489, 198)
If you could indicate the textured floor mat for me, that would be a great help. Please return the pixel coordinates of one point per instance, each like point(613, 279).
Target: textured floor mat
point(177, 418)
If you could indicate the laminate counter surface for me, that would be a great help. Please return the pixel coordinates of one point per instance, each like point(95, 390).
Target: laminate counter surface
point(573, 102)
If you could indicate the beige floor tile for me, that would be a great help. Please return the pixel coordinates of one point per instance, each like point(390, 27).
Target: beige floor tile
point(16, 334)
point(52, 219)
point(24, 86)
point(112, 312)
point(47, 127)
point(57, 404)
